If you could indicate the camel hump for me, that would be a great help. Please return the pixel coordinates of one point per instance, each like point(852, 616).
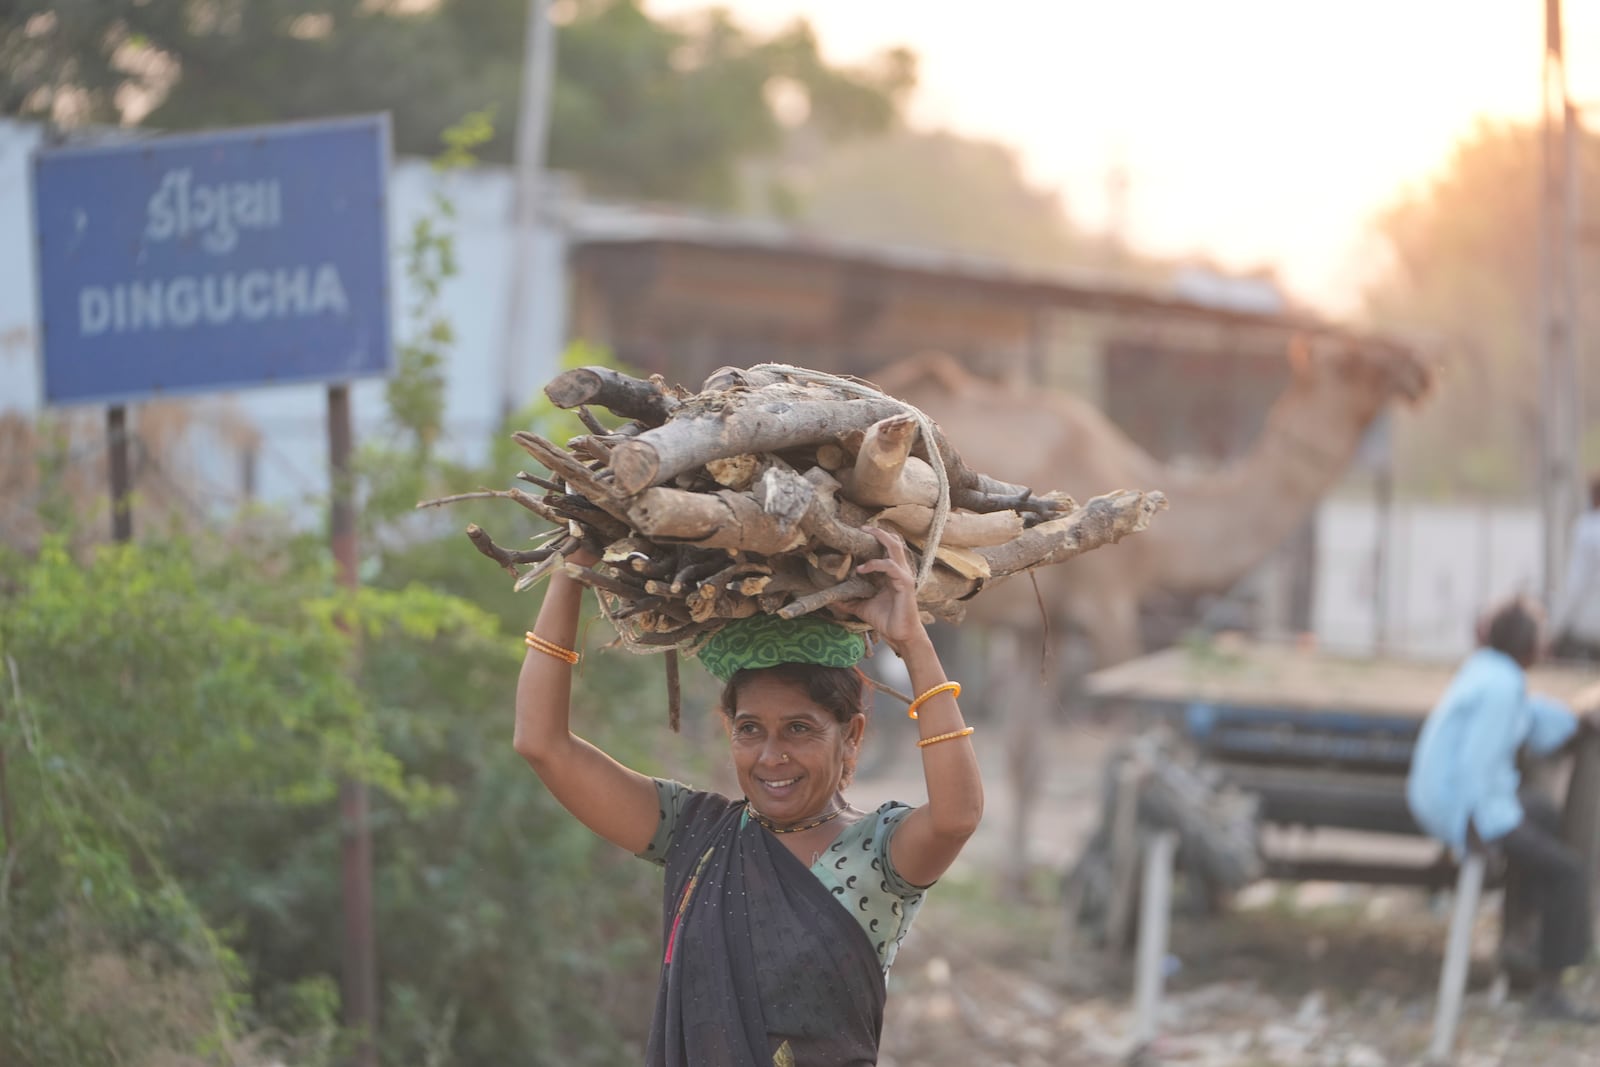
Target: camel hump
point(939, 368)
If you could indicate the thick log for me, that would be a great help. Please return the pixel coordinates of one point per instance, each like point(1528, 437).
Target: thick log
point(723, 519)
point(884, 450)
point(748, 422)
point(1103, 520)
point(969, 489)
point(962, 529)
point(649, 402)
point(826, 523)
point(917, 484)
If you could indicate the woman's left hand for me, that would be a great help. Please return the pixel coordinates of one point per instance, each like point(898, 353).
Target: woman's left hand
point(892, 611)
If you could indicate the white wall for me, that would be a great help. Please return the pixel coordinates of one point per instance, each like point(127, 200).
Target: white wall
point(1446, 563)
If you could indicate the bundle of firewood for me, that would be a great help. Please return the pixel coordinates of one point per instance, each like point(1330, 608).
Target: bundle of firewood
point(753, 496)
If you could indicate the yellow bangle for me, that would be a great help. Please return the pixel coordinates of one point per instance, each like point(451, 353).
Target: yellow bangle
point(951, 736)
point(953, 688)
point(550, 648)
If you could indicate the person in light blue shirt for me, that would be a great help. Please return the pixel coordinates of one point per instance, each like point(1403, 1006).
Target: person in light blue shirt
point(1463, 789)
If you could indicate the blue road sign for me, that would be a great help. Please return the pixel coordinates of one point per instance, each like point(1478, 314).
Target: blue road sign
point(199, 262)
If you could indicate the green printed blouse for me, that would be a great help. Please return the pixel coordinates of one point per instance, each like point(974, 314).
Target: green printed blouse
point(856, 868)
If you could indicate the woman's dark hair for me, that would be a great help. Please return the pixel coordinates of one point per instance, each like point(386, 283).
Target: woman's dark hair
point(840, 690)
point(1513, 628)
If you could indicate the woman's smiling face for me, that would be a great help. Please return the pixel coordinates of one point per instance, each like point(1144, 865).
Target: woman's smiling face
point(788, 751)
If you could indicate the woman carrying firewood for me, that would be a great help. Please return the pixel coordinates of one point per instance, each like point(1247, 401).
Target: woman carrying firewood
point(782, 909)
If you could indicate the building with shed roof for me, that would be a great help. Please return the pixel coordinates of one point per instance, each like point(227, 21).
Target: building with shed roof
point(1188, 368)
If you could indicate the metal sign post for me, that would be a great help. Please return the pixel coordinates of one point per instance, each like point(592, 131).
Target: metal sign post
point(121, 479)
point(360, 985)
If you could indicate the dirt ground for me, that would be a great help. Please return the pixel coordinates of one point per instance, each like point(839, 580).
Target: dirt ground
point(1314, 975)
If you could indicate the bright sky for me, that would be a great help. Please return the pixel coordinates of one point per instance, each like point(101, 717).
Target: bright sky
point(1258, 132)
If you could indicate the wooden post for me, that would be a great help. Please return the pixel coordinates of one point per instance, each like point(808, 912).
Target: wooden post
point(1560, 416)
point(1155, 910)
point(121, 478)
point(359, 960)
point(1457, 957)
point(1383, 492)
point(1580, 821)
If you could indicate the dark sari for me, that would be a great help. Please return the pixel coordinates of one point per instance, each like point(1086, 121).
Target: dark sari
point(762, 964)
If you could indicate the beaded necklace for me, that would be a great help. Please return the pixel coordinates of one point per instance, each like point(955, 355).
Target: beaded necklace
point(812, 825)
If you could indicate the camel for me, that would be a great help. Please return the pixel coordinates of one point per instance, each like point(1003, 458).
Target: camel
point(1220, 524)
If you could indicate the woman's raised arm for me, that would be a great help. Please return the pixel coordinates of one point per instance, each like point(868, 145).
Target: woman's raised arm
point(930, 838)
point(614, 801)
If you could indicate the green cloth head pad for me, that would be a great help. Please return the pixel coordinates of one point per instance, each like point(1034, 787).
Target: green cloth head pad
point(768, 640)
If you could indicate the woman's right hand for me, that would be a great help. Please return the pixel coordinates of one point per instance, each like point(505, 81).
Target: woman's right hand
point(892, 611)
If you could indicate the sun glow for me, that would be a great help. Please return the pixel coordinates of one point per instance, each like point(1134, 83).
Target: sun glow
point(1254, 132)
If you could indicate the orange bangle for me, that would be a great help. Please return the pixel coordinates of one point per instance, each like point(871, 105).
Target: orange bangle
point(550, 648)
point(953, 688)
point(951, 736)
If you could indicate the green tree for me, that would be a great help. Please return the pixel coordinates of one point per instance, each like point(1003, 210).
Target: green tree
point(144, 687)
point(640, 107)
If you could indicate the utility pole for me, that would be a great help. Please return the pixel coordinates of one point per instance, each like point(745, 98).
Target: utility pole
point(1560, 404)
point(533, 127)
point(1119, 187)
